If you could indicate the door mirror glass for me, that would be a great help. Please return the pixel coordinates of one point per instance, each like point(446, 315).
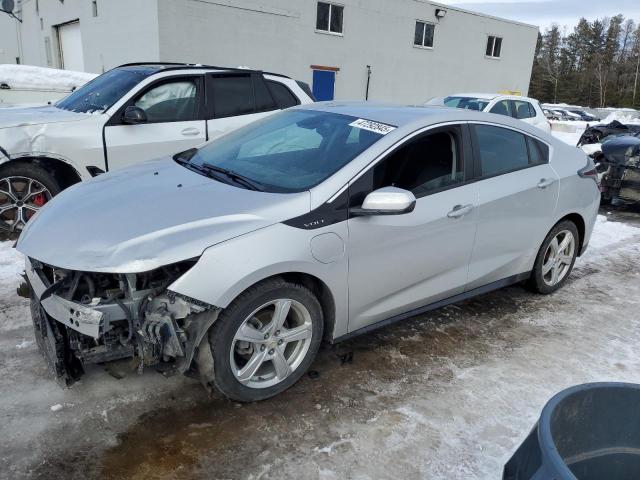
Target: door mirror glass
point(386, 201)
point(134, 115)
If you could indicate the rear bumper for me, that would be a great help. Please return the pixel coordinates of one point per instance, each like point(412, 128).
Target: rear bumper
point(85, 320)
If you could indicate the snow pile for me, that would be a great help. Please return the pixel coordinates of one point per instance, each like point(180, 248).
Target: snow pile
point(622, 116)
point(560, 105)
point(26, 76)
point(11, 267)
point(606, 233)
point(570, 138)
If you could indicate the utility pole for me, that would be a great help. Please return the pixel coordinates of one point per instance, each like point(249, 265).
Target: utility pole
point(366, 95)
point(635, 82)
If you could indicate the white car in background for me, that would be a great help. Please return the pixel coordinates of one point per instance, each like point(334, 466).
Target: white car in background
point(523, 108)
point(130, 114)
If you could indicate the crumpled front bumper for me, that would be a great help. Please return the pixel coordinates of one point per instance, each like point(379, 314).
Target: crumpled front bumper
point(80, 318)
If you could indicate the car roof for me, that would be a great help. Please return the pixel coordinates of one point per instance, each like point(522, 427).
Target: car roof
point(486, 96)
point(491, 96)
point(166, 66)
point(403, 115)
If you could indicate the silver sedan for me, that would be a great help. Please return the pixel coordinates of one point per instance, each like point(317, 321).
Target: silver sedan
point(232, 261)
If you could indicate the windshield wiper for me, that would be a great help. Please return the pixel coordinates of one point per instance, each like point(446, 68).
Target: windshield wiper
point(238, 178)
point(184, 159)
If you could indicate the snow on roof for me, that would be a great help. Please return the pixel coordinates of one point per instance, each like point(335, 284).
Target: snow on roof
point(41, 78)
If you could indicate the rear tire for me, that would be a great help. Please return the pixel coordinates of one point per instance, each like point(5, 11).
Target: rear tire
point(555, 258)
point(24, 189)
point(265, 340)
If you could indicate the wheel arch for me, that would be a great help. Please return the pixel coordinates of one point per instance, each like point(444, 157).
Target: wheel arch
point(64, 172)
point(319, 289)
point(580, 224)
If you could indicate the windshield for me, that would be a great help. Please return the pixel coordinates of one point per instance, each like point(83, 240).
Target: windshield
point(103, 91)
point(468, 103)
point(290, 151)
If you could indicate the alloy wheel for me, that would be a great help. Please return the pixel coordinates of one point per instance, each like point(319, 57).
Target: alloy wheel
point(558, 258)
point(271, 343)
point(20, 199)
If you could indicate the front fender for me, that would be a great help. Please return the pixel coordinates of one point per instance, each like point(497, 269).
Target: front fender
point(227, 269)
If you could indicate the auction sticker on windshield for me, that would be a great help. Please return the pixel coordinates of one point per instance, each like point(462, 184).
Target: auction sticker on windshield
point(372, 126)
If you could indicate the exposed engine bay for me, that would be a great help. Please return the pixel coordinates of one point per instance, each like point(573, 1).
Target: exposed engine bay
point(615, 149)
point(85, 318)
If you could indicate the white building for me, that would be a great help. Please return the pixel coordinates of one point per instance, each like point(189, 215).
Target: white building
point(9, 36)
point(407, 50)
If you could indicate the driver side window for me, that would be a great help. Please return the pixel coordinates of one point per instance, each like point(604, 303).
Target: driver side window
point(427, 164)
point(171, 101)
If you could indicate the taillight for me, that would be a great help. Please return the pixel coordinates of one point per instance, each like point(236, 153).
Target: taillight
point(589, 171)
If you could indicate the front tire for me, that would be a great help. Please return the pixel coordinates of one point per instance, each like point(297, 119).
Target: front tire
point(265, 340)
point(556, 258)
point(24, 189)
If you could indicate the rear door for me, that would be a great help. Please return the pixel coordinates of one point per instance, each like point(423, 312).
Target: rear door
point(517, 197)
point(234, 100)
point(174, 108)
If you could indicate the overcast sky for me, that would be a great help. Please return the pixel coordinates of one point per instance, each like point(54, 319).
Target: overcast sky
point(545, 12)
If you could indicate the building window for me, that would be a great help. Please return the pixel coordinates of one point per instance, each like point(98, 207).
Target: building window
point(424, 34)
point(494, 46)
point(94, 7)
point(329, 17)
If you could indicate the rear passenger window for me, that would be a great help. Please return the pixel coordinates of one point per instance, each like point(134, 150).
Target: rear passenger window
point(501, 150)
point(503, 107)
point(232, 95)
point(283, 96)
point(538, 152)
point(523, 109)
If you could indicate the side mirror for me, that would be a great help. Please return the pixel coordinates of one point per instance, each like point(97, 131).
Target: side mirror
point(134, 115)
point(386, 201)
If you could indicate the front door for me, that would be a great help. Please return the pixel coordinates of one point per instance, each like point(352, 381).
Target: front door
point(175, 122)
point(517, 196)
point(402, 262)
point(324, 84)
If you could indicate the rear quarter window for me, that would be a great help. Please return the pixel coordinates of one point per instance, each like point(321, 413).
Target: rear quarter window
point(538, 151)
point(282, 95)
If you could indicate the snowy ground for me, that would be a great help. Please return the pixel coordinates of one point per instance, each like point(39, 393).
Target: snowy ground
point(450, 394)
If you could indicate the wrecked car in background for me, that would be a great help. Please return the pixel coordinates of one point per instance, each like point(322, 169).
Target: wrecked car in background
point(132, 113)
point(615, 149)
point(232, 259)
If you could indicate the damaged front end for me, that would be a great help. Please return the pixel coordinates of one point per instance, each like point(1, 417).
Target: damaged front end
point(85, 318)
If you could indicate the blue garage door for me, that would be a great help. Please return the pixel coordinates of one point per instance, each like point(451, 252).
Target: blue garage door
point(323, 84)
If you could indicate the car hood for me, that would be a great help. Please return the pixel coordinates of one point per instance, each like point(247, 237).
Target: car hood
point(150, 215)
point(21, 116)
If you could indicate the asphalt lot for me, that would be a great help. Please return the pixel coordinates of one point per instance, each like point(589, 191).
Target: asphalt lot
point(445, 395)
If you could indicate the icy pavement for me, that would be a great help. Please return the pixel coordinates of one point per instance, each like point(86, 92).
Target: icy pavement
point(450, 394)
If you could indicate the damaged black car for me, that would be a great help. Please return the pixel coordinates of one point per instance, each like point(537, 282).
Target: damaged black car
point(615, 149)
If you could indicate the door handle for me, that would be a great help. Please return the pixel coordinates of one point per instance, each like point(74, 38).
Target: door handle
point(190, 131)
point(460, 211)
point(545, 182)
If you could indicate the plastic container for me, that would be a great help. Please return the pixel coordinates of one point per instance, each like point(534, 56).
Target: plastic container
point(586, 432)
